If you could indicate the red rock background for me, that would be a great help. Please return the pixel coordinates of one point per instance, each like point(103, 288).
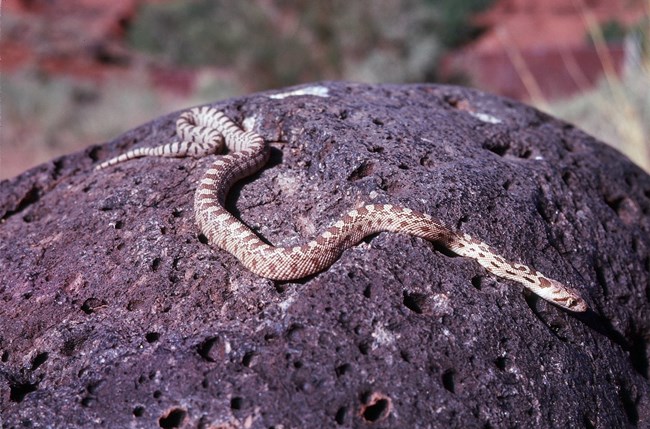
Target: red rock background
point(551, 37)
point(84, 40)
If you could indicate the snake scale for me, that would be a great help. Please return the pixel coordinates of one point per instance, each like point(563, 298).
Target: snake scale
point(204, 130)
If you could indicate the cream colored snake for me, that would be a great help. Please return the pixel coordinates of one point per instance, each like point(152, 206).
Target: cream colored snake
point(204, 130)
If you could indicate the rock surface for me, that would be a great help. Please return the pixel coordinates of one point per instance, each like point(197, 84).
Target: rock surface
point(115, 313)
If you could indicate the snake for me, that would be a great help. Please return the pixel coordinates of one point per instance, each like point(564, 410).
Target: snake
point(205, 130)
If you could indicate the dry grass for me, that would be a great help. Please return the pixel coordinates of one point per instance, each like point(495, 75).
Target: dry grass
point(617, 111)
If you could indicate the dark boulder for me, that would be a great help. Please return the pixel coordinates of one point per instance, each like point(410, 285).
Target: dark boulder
point(115, 313)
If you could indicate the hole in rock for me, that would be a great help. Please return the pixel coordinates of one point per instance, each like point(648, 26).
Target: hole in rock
point(203, 239)
point(444, 250)
point(17, 392)
point(90, 305)
point(92, 153)
point(70, 346)
point(93, 386)
point(614, 203)
point(39, 360)
point(247, 360)
point(155, 264)
point(499, 148)
point(294, 333)
point(365, 169)
point(28, 198)
point(236, 403)
point(414, 301)
point(173, 419)
point(376, 408)
point(364, 348)
point(152, 337)
point(340, 415)
point(367, 292)
point(138, 411)
point(405, 355)
point(87, 401)
point(342, 369)
point(448, 380)
point(501, 363)
point(209, 349)
point(477, 282)
point(134, 304)
point(630, 406)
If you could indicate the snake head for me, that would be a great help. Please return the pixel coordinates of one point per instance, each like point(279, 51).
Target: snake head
point(567, 298)
point(576, 304)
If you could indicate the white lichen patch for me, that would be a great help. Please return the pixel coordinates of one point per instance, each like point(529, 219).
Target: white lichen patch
point(485, 117)
point(249, 123)
point(284, 305)
point(288, 185)
point(316, 91)
point(382, 337)
point(440, 304)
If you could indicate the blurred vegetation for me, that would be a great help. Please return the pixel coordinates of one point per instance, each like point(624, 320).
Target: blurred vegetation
point(455, 26)
point(613, 32)
point(278, 43)
point(617, 110)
